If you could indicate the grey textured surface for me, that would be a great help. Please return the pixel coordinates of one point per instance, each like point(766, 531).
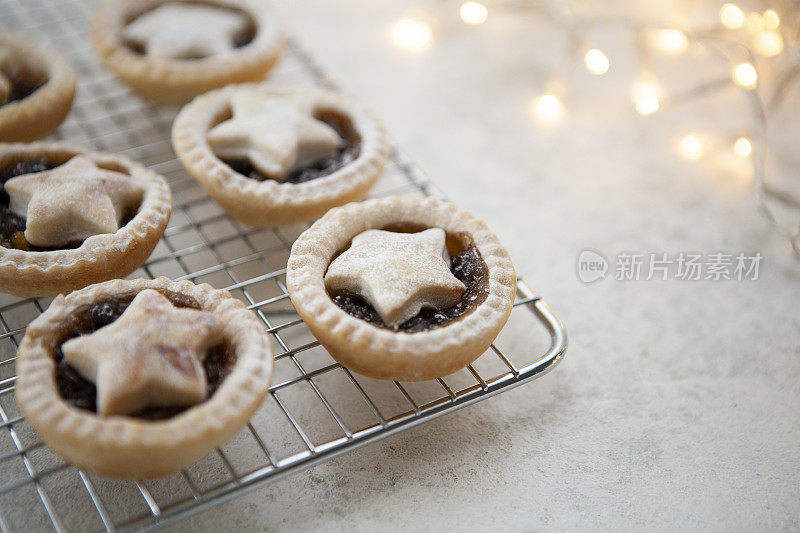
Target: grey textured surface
point(677, 405)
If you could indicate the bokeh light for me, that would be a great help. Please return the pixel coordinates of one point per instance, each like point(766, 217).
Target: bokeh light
point(548, 108)
point(743, 147)
point(731, 16)
point(411, 34)
point(745, 75)
point(596, 61)
point(473, 13)
point(691, 147)
point(672, 40)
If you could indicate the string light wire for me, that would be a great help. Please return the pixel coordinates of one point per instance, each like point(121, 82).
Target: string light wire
point(649, 99)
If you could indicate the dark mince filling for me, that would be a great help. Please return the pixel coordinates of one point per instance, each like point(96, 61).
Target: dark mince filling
point(12, 226)
point(22, 88)
point(241, 39)
point(347, 154)
point(81, 393)
point(466, 264)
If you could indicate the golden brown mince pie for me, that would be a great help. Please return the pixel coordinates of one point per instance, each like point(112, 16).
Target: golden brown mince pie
point(274, 155)
point(37, 87)
point(70, 217)
point(139, 378)
point(172, 50)
point(401, 288)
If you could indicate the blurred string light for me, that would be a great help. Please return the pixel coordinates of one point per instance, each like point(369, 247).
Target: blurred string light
point(745, 75)
point(768, 43)
point(731, 16)
point(754, 22)
point(473, 13)
point(691, 147)
point(743, 147)
point(672, 40)
point(596, 61)
point(771, 19)
point(548, 108)
point(412, 35)
point(763, 31)
point(646, 97)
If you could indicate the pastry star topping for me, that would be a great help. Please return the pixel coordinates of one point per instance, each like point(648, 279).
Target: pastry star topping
point(277, 135)
point(72, 202)
point(149, 357)
point(185, 31)
point(397, 273)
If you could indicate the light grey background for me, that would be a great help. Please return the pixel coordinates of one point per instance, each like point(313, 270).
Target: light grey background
point(677, 405)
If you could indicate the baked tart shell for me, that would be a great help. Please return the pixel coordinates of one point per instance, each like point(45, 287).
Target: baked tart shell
point(383, 353)
point(170, 81)
point(100, 257)
point(270, 203)
point(40, 113)
point(125, 447)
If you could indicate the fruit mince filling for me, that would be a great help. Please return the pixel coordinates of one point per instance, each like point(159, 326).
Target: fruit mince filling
point(347, 153)
point(467, 266)
point(81, 393)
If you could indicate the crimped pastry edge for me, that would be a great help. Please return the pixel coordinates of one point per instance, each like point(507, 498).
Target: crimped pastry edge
point(383, 353)
point(269, 203)
point(42, 112)
point(169, 81)
point(125, 447)
point(100, 257)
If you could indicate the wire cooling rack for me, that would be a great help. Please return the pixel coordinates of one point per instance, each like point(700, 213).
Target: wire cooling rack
point(316, 410)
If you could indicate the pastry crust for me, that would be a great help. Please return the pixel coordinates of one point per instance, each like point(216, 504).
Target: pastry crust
point(269, 202)
point(125, 447)
point(383, 353)
point(100, 257)
point(170, 81)
point(40, 113)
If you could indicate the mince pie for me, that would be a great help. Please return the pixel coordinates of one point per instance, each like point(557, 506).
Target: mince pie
point(37, 86)
point(273, 155)
point(70, 217)
point(401, 288)
point(139, 378)
point(171, 50)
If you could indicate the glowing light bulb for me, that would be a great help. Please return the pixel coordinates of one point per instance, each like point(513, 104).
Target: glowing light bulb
point(745, 75)
point(596, 61)
point(754, 22)
point(473, 13)
point(548, 108)
point(647, 105)
point(411, 34)
point(731, 16)
point(771, 19)
point(768, 43)
point(672, 40)
point(691, 147)
point(646, 98)
point(743, 147)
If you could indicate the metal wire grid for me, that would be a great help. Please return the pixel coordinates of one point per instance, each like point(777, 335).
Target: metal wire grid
point(316, 410)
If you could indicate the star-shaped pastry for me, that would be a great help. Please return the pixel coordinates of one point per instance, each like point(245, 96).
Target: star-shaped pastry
point(185, 31)
point(397, 273)
point(72, 201)
point(151, 356)
point(276, 134)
